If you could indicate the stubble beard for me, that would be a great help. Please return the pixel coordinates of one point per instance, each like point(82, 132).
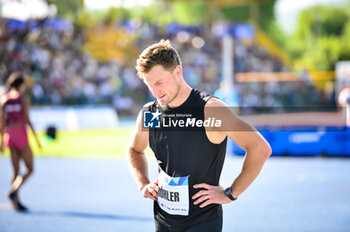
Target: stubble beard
point(166, 106)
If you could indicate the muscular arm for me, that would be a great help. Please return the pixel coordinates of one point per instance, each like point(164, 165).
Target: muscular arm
point(257, 152)
point(245, 136)
point(248, 138)
point(138, 163)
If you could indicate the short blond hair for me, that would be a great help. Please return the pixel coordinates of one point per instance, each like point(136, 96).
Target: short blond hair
point(161, 53)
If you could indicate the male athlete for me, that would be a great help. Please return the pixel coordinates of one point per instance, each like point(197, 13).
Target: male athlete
point(186, 194)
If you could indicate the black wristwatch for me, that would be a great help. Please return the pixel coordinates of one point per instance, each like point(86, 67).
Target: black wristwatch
point(228, 193)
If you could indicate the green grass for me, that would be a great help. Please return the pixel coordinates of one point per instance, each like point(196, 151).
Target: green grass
point(83, 143)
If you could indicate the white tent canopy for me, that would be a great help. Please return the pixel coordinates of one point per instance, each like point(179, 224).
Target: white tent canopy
point(26, 9)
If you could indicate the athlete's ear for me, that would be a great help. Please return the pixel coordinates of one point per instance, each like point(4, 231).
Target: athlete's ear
point(178, 71)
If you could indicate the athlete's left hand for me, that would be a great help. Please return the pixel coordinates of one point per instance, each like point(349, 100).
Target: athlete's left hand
point(210, 195)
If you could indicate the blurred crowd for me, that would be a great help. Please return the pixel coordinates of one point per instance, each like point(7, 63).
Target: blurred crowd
point(61, 72)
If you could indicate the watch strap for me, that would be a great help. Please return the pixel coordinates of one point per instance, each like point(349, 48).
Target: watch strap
point(228, 193)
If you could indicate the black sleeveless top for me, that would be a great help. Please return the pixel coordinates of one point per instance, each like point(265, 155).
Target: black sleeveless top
point(181, 151)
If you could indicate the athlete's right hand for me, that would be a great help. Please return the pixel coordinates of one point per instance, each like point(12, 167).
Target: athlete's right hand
point(151, 190)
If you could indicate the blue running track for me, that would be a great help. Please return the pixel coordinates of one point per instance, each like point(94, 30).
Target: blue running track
point(291, 194)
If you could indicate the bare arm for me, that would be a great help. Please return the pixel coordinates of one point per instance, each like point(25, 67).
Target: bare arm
point(26, 105)
point(245, 136)
point(138, 163)
point(257, 152)
point(3, 125)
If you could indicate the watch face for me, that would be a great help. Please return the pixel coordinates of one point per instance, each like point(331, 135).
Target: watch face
point(228, 192)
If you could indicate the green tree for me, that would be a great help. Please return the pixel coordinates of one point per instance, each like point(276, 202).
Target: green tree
point(264, 19)
point(321, 37)
point(192, 12)
point(68, 8)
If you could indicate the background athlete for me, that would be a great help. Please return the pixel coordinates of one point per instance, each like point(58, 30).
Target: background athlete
point(199, 155)
point(14, 118)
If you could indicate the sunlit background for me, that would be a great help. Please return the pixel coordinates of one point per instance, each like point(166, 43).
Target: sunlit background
point(282, 65)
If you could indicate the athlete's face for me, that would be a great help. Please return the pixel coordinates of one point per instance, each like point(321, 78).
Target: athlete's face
point(163, 84)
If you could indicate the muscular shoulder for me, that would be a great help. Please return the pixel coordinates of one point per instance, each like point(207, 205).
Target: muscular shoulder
point(148, 104)
point(220, 110)
point(139, 119)
point(215, 102)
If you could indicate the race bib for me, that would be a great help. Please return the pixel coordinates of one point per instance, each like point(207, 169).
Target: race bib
point(173, 194)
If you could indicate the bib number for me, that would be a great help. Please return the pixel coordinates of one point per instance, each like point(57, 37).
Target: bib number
point(173, 194)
